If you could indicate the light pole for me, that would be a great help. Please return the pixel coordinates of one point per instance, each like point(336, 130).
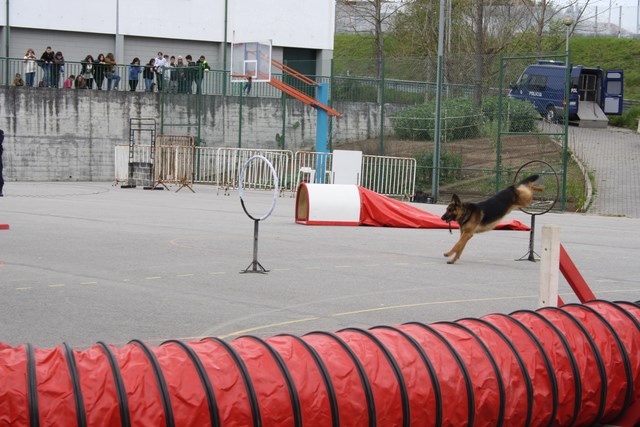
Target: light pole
point(568, 22)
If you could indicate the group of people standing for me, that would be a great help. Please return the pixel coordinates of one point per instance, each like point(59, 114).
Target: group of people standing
point(162, 73)
point(52, 64)
point(175, 75)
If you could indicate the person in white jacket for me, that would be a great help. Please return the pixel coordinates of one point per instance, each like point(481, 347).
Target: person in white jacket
point(30, 63)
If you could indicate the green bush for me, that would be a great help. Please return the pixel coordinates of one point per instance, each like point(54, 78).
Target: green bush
point(415, 123)
point(459, 120)
point(450, 167)
point(521, 115)
point(627, 120)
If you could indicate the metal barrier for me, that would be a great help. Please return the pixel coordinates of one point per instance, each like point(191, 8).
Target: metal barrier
point(229, 162)
point(391, 176)
point(174, 165)
point(184, 165)
point(311, 167)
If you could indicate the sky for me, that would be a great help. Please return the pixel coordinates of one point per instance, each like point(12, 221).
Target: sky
point(629, 12)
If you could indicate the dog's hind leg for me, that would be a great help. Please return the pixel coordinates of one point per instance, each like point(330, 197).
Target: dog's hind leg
point(458, 247)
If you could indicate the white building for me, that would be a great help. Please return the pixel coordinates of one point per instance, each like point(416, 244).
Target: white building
point(298, 29)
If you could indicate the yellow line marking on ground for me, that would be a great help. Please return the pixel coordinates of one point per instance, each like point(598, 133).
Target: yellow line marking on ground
point(59, 285)
point(614, 291)
point(88, 283)
point(24, 288)
point(257, 328)
point(153, 278)
point(422, 304)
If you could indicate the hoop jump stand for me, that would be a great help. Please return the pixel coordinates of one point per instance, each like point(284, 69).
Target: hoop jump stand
point(539, 207)
point(255, 266)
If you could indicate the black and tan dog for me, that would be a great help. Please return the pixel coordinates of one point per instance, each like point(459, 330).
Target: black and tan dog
point(484, 216)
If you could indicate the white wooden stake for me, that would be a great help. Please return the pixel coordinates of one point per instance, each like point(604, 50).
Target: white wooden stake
point(549, 266)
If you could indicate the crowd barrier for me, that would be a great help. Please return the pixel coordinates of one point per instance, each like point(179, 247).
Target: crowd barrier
point(389, 176)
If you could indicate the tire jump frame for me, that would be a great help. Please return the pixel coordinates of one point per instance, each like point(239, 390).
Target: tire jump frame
point(575, 365)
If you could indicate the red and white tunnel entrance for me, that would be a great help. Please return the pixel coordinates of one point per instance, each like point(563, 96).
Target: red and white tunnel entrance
point(577, 365)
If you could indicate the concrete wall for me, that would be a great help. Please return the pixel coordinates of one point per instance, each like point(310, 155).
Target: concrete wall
point(70, 135)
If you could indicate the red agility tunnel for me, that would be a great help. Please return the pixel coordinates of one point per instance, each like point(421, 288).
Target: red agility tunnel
point(322, 204)
point(577, 365)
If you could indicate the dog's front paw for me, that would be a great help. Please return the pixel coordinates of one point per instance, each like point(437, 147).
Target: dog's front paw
point(451, 261)
point(447, 254)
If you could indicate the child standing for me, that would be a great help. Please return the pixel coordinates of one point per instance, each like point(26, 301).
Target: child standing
point(134, 74)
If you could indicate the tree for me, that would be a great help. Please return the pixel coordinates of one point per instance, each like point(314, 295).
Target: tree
point(373, 17)
point(547, 16)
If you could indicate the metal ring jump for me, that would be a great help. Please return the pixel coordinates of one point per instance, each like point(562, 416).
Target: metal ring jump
point(241, 187)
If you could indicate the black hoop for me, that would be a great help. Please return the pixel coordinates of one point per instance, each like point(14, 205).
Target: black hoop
point(275, 187)
point(550, 203)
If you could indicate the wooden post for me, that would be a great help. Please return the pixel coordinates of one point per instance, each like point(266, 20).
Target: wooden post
point(549, 266)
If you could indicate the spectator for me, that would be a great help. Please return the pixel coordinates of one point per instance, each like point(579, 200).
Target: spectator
point(68, 83)
point(247, 85)
point(80, 82)
point(100, 68)
point(46, 61)
point(181, 70)
point(160, 63)
point(57, 69)
point(111, 72)
point(134, 74)
point(18, 80)
point(30, 62)
point(88, 71)
point(147, 74)
point(204, 67)
point(192, 73)
point(170, 75)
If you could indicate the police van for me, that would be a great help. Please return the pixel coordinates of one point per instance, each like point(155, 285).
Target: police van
point(593, 92)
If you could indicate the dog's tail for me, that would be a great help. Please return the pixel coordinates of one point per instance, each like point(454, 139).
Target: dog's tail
point(528, 180)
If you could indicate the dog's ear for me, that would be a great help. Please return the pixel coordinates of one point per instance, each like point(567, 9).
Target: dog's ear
point(455, 199)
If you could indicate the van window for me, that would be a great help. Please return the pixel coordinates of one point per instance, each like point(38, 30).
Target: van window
point(538, 83)
point(522, 81)
point(614, 87)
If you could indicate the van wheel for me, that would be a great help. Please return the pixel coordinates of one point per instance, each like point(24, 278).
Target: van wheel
point(551, 115)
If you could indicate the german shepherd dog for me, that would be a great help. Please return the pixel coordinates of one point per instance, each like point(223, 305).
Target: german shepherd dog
point(484, 216)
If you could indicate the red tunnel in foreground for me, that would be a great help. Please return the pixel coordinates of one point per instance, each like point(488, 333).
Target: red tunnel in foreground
point(576, 365)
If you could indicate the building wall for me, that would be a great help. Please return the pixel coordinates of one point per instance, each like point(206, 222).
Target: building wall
point(179, 26)
point(70, 135)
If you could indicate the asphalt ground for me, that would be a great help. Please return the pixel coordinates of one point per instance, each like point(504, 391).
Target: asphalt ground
point(88, 262)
